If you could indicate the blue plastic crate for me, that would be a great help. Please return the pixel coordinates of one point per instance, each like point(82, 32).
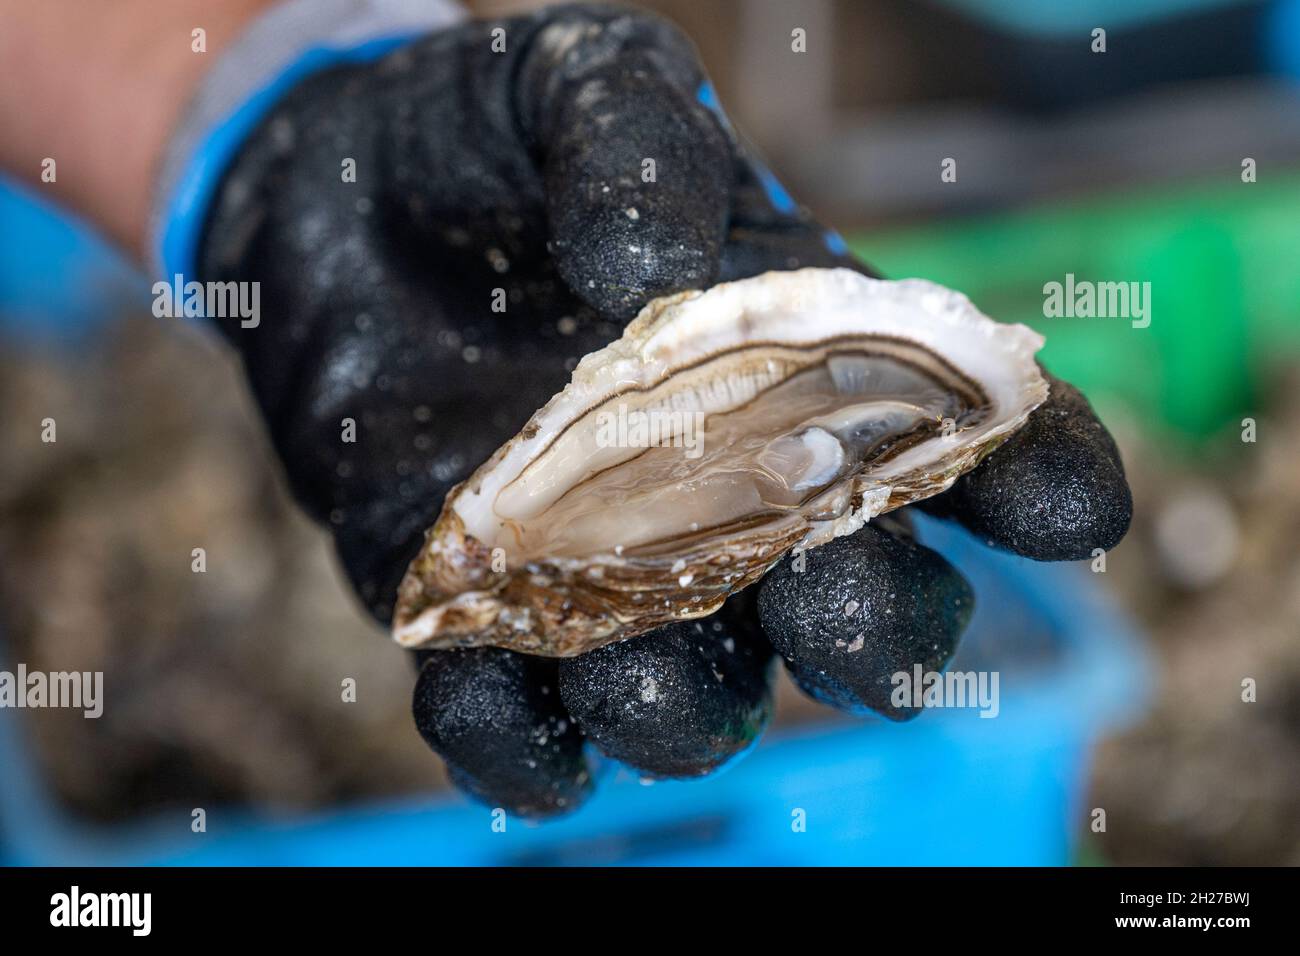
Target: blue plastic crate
point(946, 788)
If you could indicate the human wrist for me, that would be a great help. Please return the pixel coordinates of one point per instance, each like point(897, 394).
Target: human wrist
point(97, 88)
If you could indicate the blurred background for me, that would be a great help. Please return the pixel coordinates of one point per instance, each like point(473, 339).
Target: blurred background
point(1121, 689)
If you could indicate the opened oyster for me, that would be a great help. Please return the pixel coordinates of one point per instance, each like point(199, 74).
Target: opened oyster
point(724, 429)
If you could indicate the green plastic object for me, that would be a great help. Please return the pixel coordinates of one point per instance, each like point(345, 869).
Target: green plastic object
point(1223, 260)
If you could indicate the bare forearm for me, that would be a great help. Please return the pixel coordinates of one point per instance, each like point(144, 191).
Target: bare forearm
point(97, 86)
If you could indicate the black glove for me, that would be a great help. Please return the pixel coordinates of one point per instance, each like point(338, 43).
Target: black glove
point(523, 171)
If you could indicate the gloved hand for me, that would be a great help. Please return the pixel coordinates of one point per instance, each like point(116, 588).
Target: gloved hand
point(525, 171)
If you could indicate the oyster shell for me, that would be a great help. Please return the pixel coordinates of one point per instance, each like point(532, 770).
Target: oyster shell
point(724, 429)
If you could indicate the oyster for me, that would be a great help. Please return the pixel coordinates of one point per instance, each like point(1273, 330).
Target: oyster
point(723, 430)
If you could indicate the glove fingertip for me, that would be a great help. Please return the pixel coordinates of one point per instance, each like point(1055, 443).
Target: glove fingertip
point(860, 610)
point(678, 702)
point(496, 718)
point(1055, 491)
point(638, 190)
point(618, 259)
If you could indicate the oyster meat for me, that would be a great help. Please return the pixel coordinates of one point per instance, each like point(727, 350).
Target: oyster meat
point(724, 429)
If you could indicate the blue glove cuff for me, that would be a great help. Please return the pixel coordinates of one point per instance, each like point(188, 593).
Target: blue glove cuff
point(291, 41)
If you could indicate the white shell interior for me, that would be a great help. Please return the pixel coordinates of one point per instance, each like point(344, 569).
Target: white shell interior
point(744, 359)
